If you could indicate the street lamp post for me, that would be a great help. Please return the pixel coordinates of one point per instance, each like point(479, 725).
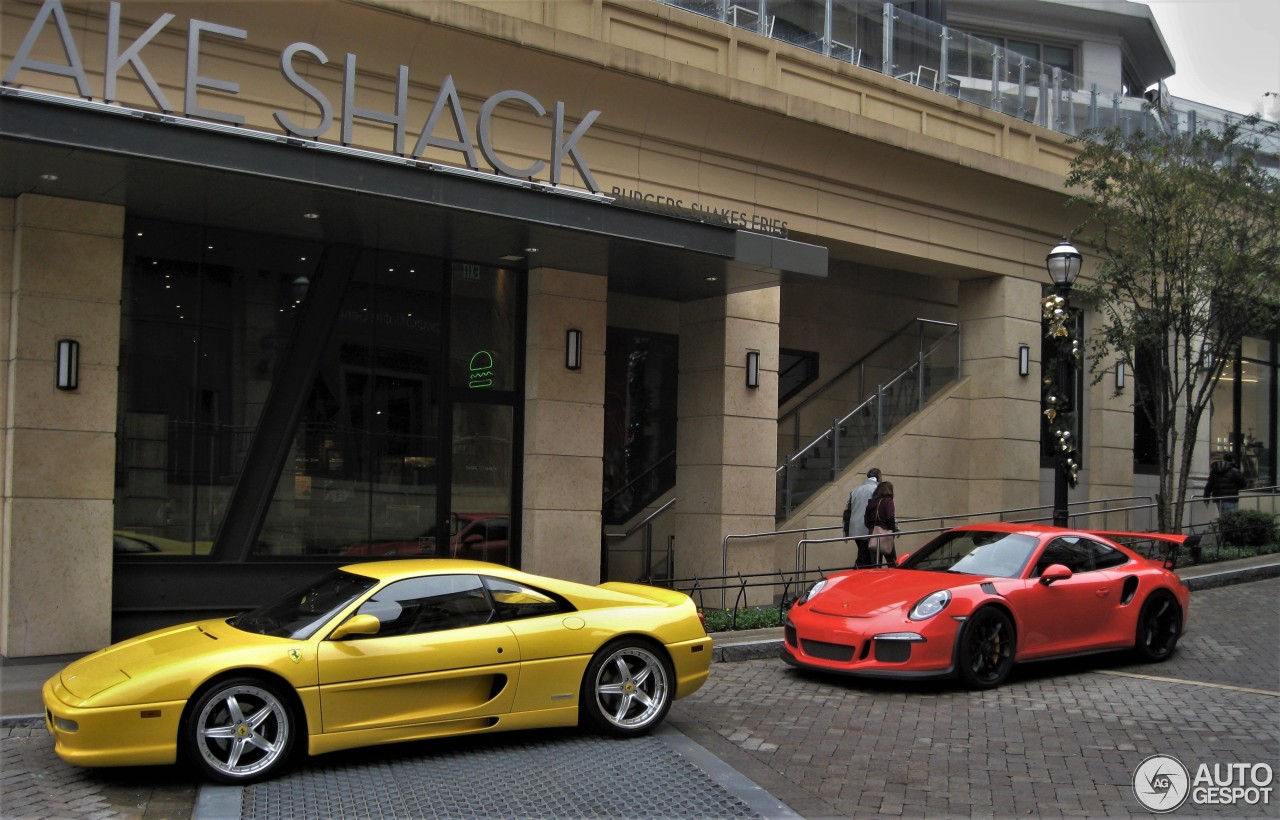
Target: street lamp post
point(1063, 264)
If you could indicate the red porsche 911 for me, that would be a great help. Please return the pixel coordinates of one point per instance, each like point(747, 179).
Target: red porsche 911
point(978, 599)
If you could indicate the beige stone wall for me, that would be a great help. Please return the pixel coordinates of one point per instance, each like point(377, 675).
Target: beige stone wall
point(564, 426)
point(59, 468)
point(726, 432)
point(1109, 454)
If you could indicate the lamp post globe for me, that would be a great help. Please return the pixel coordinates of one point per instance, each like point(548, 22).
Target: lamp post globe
point(1063, 264)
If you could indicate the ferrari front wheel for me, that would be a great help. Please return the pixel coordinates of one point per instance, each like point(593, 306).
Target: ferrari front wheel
point(986, 649)
point(628, 688)
point(239, 731)
point(1159, 627)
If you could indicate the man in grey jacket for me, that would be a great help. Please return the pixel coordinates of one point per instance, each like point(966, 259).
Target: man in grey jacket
point(857, 506)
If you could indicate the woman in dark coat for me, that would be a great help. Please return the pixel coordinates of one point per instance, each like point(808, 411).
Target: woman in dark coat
point(882, 512)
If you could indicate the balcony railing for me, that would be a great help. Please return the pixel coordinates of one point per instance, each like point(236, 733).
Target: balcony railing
point(896, 43)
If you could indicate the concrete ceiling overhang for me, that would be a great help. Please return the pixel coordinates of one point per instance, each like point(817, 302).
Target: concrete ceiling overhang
point(172, 168)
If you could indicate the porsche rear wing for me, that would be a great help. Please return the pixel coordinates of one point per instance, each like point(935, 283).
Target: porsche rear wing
point(1158, 545)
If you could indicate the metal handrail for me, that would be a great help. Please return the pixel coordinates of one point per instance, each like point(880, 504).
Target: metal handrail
point(832, 433)
point(862, 361)
point(642, 523)
point(643, 474)
point(1273, 493)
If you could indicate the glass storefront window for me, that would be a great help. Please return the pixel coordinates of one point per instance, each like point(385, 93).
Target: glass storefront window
point(361, 479)
point(404, 439)
point(206, 318)
point(1243, 418)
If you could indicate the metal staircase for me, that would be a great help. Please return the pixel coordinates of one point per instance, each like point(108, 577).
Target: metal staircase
point(882, 392)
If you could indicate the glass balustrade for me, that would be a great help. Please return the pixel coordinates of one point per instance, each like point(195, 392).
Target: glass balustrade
point(916, 50)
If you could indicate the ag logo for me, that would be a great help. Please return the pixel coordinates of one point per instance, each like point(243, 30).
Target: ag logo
point(1161, 783)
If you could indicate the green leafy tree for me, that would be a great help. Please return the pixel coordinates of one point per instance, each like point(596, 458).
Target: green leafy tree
point(1188, 230)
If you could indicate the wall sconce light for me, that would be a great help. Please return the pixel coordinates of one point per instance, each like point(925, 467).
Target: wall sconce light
point(753, 369)
point(1119, 375)
point(573, 349)
point(68, 364)
point(1024, 360)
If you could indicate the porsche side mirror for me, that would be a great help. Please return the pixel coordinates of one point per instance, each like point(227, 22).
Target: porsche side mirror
point(356, 625)
point(1054, 572)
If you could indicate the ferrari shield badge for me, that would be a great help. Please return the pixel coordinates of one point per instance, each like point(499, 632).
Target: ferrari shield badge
point(295, 655)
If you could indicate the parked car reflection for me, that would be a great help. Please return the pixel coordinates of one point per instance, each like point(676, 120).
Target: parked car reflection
point(483, 536)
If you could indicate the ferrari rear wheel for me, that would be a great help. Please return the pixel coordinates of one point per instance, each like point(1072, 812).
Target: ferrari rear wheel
point(628, 688)
point(239, 730)
point(1159, 627)
point(986, 649)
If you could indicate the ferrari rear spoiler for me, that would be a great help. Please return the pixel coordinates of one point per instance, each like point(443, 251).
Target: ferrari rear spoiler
point(1157, 545)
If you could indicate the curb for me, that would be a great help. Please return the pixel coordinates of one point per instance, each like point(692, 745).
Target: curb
point(746, 651)
point(1228, 577)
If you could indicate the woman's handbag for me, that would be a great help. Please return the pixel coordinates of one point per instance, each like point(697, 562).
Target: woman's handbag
point(881, 542)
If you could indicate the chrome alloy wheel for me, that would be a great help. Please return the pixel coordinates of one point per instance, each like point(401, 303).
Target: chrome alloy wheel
point(241, 731)
point(632, 688)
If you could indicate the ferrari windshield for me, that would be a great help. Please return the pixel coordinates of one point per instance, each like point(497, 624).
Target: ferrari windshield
point(301, 612)
point(998, 554)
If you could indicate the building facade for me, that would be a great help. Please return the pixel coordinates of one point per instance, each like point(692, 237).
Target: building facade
point(352, 280)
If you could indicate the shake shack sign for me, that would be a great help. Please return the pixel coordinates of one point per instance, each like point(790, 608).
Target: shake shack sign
point(208, 96)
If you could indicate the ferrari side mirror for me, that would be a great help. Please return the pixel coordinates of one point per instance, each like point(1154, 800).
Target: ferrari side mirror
point(356, 625)
point(1054, 572)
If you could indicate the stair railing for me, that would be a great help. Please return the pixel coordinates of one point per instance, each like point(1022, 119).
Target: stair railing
point(936, 363)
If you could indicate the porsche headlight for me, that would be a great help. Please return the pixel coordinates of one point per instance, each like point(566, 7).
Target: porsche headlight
point(930, 605)
point(813, 591)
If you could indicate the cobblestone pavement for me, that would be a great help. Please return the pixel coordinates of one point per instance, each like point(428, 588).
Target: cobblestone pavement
point(1061, 738)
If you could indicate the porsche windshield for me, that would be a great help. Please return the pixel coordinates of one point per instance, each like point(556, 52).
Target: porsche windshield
point(999, 554)
point(301, 612)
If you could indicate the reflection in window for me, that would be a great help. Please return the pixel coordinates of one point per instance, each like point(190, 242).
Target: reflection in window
point(428, 604)
point(515, 601)
point(361, 479)
point(205, 320)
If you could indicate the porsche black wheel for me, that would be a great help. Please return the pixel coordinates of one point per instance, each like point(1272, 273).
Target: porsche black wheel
point(628, 688)
point(1159, 627)
point(986, 649)
point(239, 730)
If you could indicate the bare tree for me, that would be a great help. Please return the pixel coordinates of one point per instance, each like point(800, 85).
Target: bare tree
point(1188, 227)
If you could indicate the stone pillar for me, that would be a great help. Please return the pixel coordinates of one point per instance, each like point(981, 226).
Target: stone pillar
point(1108, 454)
point(60, 278)
point(727, 433)
point(564, 427)
point(996, 316)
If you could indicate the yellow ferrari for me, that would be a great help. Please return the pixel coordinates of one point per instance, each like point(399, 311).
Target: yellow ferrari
point(381, 652)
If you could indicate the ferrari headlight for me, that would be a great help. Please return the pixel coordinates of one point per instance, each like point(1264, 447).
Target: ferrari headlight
point(930, 605)
point(813, 591)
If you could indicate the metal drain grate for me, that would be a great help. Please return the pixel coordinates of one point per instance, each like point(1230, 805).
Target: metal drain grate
point(544, 774)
